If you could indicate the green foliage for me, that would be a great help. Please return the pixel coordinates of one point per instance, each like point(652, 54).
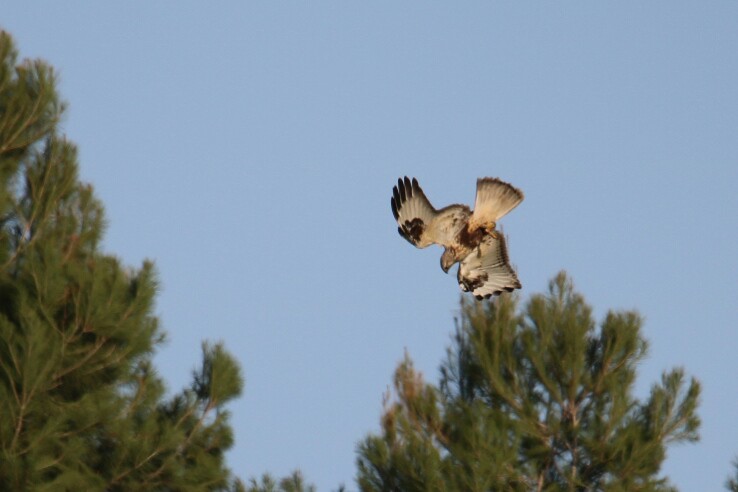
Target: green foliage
point(291, 483)
point(538, 399)
point(82, 406)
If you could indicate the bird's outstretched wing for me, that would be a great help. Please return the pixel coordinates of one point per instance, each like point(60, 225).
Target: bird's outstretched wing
point(420, 223)
point(495, 198)
point(414, 213)
point(486, 271)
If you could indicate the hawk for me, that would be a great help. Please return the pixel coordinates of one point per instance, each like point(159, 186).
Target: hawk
point(469, 237)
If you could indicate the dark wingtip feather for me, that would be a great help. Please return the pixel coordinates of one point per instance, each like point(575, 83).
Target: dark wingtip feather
point(408, 187)
point(416, 187)
point(401, 187)
point(394, 209)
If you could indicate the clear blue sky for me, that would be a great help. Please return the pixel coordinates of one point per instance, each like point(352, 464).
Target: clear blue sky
point(250, 150)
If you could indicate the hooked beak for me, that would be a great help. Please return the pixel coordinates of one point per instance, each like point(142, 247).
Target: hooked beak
point(447, 261)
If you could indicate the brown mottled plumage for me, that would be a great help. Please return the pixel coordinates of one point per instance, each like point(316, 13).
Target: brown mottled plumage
point(469, 237)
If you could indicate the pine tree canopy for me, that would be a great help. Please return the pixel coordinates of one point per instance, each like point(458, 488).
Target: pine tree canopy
point(82, 406)
point(533, 399)
point(291, 483)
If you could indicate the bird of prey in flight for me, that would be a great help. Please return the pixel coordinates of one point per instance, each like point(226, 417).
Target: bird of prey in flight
point(468, 237)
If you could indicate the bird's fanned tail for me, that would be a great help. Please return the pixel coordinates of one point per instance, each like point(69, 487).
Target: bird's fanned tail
point(495, 199)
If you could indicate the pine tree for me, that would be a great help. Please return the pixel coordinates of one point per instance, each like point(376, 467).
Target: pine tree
point(82, 406)
point(538, 399)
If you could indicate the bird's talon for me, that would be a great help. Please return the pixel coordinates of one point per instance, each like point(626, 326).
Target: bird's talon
point(490, 229)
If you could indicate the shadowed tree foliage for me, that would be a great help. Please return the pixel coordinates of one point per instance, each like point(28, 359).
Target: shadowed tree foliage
point(292, 483)
point(532, 399)
point(82, 407)
point(732, 483)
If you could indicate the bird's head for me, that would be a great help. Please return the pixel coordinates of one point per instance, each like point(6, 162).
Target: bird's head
point(447, 260)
